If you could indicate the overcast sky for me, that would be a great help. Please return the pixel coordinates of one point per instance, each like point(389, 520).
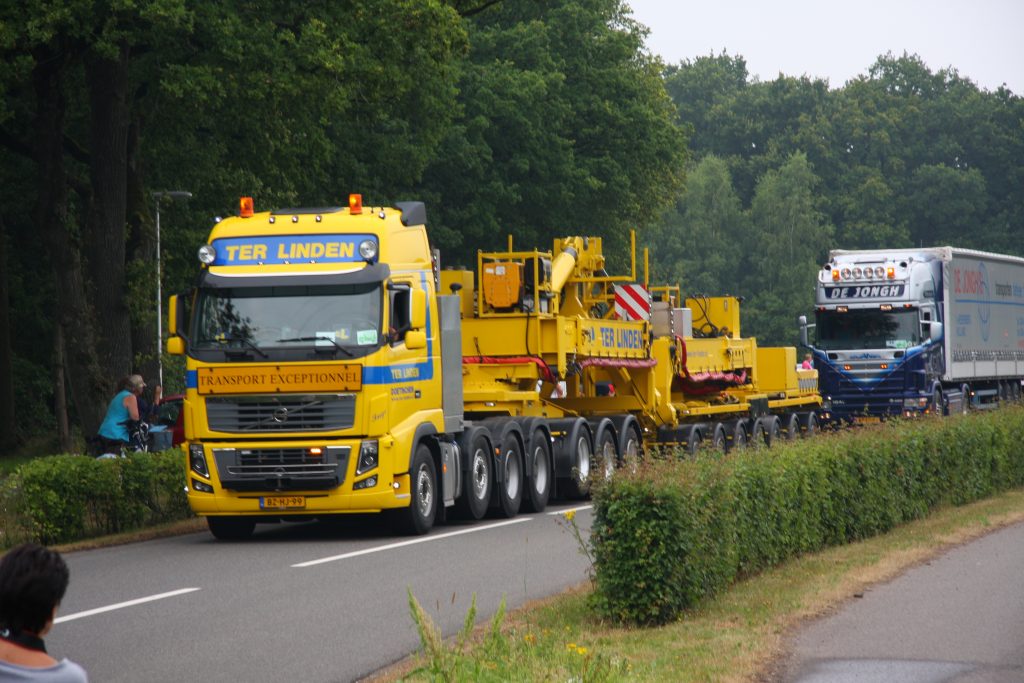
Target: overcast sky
point(982, 39)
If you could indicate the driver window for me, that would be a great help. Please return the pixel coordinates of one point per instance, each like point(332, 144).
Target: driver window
point(400, 301)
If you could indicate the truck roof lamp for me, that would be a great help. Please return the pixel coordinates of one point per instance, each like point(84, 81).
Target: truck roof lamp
point(890, 272)
point(368, 251)
point(246, 208)
point(207, 254)
point(355, 204)
point(835, 275)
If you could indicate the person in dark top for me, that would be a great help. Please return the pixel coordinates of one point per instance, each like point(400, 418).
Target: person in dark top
point(33, 580)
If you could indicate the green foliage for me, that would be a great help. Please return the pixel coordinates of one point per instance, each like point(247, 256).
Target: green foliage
point(64, 498)
point(680, 531)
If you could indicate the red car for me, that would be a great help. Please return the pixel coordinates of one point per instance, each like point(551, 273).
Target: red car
point(171, 415)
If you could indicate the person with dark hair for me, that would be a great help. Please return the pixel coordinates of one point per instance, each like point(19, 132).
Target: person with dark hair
point(33, 580)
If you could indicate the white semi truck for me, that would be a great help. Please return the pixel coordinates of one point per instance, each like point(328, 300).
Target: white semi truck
point(909, 331)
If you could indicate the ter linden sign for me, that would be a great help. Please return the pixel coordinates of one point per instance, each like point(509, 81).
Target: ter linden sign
point(280, 379)
point(280, 249)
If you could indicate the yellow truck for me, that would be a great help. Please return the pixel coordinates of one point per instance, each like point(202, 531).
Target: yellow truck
point(333, 367)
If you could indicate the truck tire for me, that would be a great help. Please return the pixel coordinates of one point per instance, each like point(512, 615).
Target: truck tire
point(791, 426)
point(693, 441)
point(538, 488)
point(508, 493)
point(735, 435)
point(718, 439)
point(937, 403)
point(772, 430)
point(605, 449)
point(757, 438)
point(418, 518)
point(476, 492)
point(580, 450)
point(808, 424)
point(631, 444)
point(965, 400)
point(231, 528)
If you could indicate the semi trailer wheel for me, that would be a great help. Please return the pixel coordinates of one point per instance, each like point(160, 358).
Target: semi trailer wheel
point(539, 481)
point(476, 492)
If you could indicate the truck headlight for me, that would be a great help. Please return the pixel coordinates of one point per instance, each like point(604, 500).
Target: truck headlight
point(197, 460)
point(207, 254)
point(368, 250)
point(368, 456)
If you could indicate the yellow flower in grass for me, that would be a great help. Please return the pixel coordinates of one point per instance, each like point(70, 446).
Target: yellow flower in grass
point(570, 515)
point(581, 650)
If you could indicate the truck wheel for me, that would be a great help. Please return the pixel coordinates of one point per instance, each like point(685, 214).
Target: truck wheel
point(476, 494)
point(693, 441)
point(965, 400)
point(631, 444)
point(508, 494)
point(418, 518)
point(231, 528)
point(757, 437)
point(937, 407)
point(604, 450)
point(808, 424)
point(580, 453)
point(772, 430)
point(538, 488)
point(736, 436)
point(718, 439)
point(792, 427)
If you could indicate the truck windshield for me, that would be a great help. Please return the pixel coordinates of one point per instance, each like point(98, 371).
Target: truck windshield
point(867, 329)
point(255, 318)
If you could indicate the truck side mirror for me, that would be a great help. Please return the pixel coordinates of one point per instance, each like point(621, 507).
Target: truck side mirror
point(418, 312)
point(176, 346)
point(934, 330)
point(172, 316)
point(802, 320)
point(415, 339)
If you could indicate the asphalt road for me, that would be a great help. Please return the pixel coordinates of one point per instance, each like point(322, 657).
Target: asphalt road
point(298, 602)
point(956, 619)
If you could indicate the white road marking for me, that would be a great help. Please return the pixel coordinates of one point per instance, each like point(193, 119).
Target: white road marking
point(121, 605)
point(402, 544)
point(575, 509)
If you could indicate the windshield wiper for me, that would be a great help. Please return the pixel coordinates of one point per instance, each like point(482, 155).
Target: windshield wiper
point(318, 338)
point(223, 338)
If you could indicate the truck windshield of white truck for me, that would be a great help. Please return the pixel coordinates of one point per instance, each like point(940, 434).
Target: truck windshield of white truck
point(255, 319)
point(868, 329)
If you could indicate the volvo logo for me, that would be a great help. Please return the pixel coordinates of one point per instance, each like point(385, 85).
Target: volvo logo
point(281, 415)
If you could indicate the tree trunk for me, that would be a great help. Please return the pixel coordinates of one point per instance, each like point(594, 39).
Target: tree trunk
point(89, 386)
point(142, 256)
point(8, 435)
point(107, 81)
point(60, 397)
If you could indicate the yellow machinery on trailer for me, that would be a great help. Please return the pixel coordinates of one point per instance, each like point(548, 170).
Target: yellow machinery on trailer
point(332, 367)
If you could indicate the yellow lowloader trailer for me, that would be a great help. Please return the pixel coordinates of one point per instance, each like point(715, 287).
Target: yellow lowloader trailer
point(333, 368)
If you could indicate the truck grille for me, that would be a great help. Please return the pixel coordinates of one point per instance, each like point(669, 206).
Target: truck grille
point(281, 469)
point(255, 414)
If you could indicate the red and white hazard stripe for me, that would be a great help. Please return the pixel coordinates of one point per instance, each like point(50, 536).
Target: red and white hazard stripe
point(632, 302)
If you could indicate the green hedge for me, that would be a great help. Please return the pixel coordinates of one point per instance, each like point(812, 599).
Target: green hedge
point(679, 531)
point(64, 498)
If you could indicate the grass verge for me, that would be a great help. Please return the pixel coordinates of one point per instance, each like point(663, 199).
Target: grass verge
point(740, 635)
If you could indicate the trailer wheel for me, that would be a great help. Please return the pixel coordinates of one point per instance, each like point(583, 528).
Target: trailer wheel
point(1015, 390)
point(231, 528)
point(508, 494)
point(758, 435)
point(772, 430)
point(631, 444)
point(539, 483)
point(418, 518)
point(718, 439)
point(736, 436)
point(693, 441)
point(792, 428)
point(965, 401)
point(605, 455)
point(476, 494)
point(808, 424)
point(580, 453)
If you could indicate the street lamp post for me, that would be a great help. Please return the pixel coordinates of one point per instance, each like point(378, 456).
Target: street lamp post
point(159, 196)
